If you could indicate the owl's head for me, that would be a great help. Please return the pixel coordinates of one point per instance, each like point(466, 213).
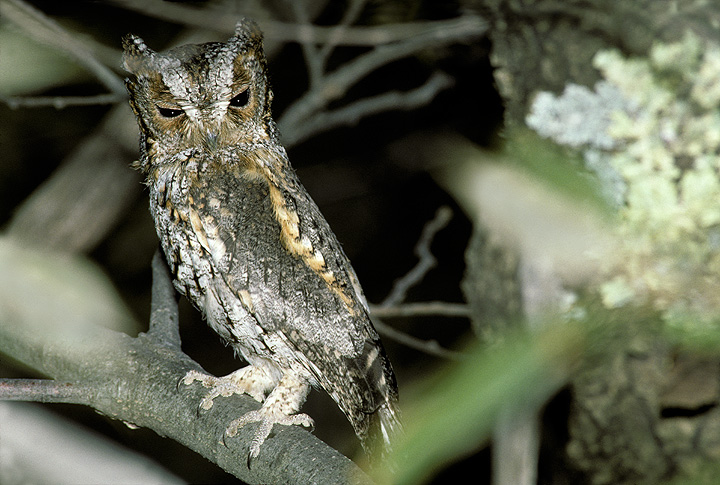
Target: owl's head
point(206, 95)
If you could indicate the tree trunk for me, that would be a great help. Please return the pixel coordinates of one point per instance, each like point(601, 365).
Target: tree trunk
point(644, 412)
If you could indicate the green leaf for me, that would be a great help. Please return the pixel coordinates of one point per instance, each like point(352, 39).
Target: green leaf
point(456, 411)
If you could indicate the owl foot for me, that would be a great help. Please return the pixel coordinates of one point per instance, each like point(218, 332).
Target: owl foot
point(280, 407)
point(249, 380)
point(266, 419)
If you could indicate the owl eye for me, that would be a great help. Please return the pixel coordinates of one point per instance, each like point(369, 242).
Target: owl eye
point(240, 99)
point(169, 112)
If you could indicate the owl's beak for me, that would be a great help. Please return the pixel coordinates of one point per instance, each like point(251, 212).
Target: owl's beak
point(211, 139)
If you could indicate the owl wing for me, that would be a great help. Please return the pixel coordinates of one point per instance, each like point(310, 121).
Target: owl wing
point(280, 258)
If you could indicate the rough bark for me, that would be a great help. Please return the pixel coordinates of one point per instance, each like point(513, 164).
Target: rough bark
point(644, 413)
point(135, 379)
point(543, 44)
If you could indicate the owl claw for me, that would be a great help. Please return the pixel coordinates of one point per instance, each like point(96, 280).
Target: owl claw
point(266, 419)
point(280, 407)
point(242, 381)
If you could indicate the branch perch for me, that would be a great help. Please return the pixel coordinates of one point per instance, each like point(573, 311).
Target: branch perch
point(135, 379)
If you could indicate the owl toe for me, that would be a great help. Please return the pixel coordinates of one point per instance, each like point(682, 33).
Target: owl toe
point(266, 420)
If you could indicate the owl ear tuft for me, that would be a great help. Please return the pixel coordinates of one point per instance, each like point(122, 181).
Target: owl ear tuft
point(248, 32)
point(137, 56)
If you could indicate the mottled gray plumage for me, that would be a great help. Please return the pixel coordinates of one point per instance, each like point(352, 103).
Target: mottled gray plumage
point(246, 243)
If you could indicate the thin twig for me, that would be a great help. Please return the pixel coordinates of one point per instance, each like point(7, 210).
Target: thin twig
point(425, 308)
point(218, 20)
point(336, 84)
point(349, 17)
point(40, 27)
point(59, 102)
point(44, 390)
point(313, 59)
point(316, 57)
point(426, 259)
point(393, 302)
point(431, 347)
point(354, 112)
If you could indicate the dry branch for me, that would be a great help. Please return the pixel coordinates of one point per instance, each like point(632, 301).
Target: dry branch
point(60, 102)
point(76, 207)
point(219, 20)
point(136, 379)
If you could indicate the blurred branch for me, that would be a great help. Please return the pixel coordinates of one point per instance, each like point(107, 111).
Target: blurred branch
point(217, 19)
point(214, 19)
point(44, 390)
point(316, 56)
point(40, 446)
point(420, 309)
point(354, 112)
point(326, 88)
point(426, 259)
point(40, 27)
point(314, 61)
point(352, 13)
point(81, 201)
point(60, 102)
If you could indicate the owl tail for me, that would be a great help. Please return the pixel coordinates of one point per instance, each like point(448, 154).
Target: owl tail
point(381, 431)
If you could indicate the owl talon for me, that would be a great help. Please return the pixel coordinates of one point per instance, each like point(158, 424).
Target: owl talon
point(189, 378)
point(249, 380)
point(266, 419)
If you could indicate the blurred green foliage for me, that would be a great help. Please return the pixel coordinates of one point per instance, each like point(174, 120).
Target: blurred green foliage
point(453, 413)
point(27, 66)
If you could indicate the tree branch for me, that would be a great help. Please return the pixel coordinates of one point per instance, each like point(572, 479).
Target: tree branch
point(60, 102)
point(426, 259)
point(430, 347)
point(392, 305)
point(354, 112)
point(164, 318)
point(40, 27)
point(218, 20)
point(136, 379)
point(421, 309)
point(44, 390)
point(335, 85)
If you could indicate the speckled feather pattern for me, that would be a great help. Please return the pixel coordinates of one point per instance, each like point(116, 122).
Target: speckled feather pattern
point(244, 240)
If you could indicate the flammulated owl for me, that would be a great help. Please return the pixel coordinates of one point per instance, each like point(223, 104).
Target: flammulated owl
point(247, 245)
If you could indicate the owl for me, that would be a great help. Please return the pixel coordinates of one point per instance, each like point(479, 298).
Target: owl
point(248, 246)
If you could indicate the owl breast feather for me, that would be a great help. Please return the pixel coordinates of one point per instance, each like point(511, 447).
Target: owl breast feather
point(219, 229)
